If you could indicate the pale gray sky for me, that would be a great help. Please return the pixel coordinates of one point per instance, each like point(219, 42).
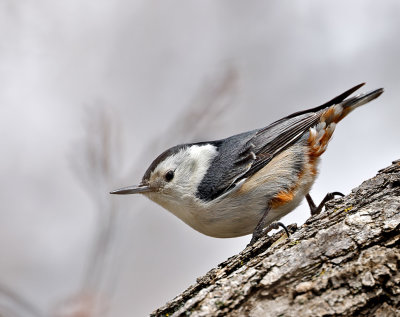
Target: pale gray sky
point(143, 63)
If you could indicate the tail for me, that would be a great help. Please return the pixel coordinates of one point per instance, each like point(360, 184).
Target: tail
point(321, 133)
point(354, 102)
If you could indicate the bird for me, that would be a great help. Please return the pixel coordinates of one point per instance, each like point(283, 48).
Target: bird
point(245, 183)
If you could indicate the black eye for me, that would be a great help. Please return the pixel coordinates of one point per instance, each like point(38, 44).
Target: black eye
point(169, 176)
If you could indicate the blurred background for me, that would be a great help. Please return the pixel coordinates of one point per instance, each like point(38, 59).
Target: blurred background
point(92, 91)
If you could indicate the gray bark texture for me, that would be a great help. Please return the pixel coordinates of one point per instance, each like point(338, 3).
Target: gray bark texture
point(342, 262)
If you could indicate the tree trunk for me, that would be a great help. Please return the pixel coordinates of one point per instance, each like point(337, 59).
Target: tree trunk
point(344, 261)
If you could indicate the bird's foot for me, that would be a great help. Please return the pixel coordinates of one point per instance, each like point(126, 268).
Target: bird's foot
point(260, 231)
point(315, 210)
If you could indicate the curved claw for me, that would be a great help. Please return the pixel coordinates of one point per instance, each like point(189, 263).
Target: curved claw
point(317, 209)
point(280, 224)
point(336, 194)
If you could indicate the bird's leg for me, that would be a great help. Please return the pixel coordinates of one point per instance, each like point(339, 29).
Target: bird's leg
point(259, 231)
point(316, 210)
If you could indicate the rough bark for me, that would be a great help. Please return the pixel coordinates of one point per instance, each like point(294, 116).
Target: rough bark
point(344, 261)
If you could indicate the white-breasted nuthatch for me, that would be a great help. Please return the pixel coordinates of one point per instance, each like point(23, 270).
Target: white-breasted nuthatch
point(245, 183)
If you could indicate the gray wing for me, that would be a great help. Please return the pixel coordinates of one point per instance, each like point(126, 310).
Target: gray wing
point(270, 141)
point(242, 155)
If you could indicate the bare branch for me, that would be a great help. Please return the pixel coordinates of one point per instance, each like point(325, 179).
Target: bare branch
point(13, 304)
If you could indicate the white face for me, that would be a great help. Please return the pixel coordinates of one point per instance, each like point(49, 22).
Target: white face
point(177, 177)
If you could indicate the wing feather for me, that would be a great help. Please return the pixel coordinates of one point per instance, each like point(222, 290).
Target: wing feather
point(272, 141)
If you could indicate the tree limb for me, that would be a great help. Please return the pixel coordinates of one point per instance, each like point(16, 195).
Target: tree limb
point(344, 261)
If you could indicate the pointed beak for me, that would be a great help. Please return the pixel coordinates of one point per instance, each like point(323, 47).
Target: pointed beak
point(141, 189)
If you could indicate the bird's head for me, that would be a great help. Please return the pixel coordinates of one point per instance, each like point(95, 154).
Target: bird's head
point(174, 176)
